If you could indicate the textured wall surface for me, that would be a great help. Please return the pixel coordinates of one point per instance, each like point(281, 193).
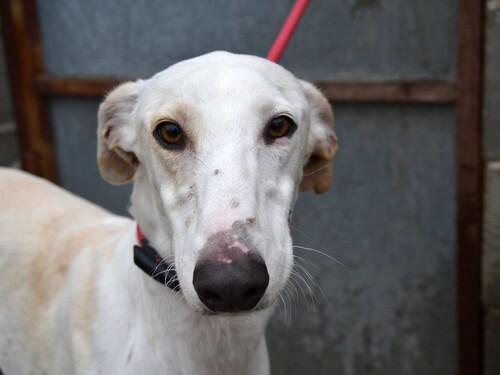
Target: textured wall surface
point(74, 125)
point(491, 268)
point(337, 39)
point(390, 217)
point(491, 250)
point(491, 259)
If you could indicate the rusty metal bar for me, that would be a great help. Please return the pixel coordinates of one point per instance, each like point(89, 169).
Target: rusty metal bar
point(469, 185)
point(390, 92)
point(81, 87)
point(376, 92)
point(24, 61)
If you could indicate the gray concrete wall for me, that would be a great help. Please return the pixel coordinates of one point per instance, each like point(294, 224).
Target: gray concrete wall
point(390, 216)
point(491, 249)
point(353, 342)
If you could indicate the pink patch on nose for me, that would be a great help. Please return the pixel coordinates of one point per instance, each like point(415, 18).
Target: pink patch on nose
point(238, 246)
point(233, 251)
point(224, 259)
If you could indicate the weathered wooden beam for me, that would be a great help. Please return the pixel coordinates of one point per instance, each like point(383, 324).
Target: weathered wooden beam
point(389, 92)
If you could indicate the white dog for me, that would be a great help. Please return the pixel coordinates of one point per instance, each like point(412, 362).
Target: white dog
point(216, 147)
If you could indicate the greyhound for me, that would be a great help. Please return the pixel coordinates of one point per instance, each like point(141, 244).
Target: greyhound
point(217, 148)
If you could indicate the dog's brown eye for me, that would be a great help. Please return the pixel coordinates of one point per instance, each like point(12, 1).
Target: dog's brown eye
point(280, 127)
point(169, 134)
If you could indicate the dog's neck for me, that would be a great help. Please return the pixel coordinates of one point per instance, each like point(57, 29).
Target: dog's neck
point(155, 226)
point(157, 326)
point(227, 342)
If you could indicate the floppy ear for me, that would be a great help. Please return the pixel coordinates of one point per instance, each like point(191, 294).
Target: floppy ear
point(115, 133)
point(322, 143)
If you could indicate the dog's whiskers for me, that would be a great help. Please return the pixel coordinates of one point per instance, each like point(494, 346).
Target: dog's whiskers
point(315, 283)
point(285, 313)
point(172, 281)
point(321, 168)
point(290, 301)
point(302, 280)
point(317, 170)
point(300, 231)
point(319, 252)
point(295, 278)
point(309, 289)
point(307, 261)
point(294, 293)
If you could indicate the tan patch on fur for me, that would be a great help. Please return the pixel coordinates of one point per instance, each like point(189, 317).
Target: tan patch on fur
point(318, 171)
point(178, 113)
point(54, 258)
point(44, 231)
point(68, 264)
point(318, 175)
point(116, 169)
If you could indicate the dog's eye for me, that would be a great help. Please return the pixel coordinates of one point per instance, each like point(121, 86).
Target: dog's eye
point(279, 127)
point(169, 134)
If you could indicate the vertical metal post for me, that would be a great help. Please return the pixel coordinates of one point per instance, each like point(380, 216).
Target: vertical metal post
point(469, 184)
point(24, 60)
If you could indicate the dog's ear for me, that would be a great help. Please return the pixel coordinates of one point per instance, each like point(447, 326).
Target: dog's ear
point(115, 133)
point(322, 143)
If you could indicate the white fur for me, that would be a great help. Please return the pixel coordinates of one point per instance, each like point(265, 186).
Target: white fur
point(73, 302)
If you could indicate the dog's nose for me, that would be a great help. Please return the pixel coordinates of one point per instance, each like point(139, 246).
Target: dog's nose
point(230, 281)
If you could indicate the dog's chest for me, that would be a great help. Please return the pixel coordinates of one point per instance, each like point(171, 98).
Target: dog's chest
point(149, 335)
point(191, 350)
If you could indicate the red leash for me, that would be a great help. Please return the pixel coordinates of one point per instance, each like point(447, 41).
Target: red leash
point(287, 30)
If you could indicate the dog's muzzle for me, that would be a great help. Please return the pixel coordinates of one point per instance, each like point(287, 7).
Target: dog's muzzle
point(229, 277)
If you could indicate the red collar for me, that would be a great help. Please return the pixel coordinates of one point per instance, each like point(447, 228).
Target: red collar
point(140, 236)
point(148, 260)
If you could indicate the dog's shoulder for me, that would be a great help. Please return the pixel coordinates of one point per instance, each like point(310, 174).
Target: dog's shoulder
point(44, 228)
point(52, 243)
point(30, 199)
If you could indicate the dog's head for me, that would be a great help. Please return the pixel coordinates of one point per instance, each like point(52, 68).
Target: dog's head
point(218, 148)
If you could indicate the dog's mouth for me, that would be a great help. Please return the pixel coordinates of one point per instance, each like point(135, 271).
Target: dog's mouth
point(260, 307)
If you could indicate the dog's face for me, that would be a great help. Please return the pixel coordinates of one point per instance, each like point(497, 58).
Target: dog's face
point(218, 147)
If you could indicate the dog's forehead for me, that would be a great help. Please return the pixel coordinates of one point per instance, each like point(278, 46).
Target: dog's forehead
point(224, 75)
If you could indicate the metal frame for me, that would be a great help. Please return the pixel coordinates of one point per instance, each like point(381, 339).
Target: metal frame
point(360, 92)
point(470, 24)
point(31, 89)
point(25, 62)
